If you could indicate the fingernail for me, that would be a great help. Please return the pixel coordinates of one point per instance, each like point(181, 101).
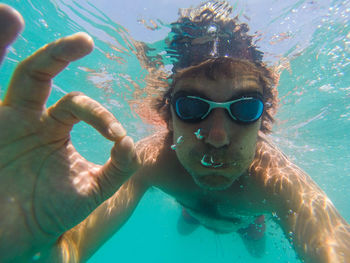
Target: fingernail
point(117, 130)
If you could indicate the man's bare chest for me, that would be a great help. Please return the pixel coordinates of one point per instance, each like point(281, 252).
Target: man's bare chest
point(222, 211)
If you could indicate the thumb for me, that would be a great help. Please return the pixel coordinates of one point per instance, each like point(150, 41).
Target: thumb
point(123, 163)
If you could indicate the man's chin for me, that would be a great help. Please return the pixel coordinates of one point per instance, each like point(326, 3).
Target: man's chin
point(213, 182)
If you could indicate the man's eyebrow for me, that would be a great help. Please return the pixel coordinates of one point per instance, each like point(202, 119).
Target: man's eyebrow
point(252, 87)
point(192, 91)
point(245, 93)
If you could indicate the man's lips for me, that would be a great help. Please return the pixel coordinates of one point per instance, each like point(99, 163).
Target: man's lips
point(209, 161)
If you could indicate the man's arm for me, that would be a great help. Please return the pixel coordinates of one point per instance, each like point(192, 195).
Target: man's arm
point(311, 222)
point(82, 241)
point(307, 216)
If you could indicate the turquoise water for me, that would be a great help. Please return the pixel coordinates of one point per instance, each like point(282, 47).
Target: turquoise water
point(308, 40)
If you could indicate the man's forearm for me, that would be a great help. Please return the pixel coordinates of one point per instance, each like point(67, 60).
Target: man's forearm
point(315, 228)
point(81, 242)
point(326, 246)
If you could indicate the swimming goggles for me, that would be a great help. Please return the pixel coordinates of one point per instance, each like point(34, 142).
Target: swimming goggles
point(245, 109)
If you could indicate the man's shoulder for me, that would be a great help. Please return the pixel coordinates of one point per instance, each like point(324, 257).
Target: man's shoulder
point(267, 149)
point(151, 148)
point(272, 166)
point(157, 158)
point(270, 162)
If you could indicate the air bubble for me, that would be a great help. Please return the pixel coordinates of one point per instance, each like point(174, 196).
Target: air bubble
point(180, 140)
point(274, 215)
point(218, 165)
point(205, 161)
point(43, 22)
point(212, 29)
point(198, 134)
point(208, 161)
point(291, 234)
point(211, 159)
point(36, 257)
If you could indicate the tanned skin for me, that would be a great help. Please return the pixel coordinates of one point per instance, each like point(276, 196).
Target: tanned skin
point(55, 205)
point(258, 179)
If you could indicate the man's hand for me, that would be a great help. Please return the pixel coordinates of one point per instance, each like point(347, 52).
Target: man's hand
point(46, 187)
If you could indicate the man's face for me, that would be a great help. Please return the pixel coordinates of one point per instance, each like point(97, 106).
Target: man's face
point(227, 148)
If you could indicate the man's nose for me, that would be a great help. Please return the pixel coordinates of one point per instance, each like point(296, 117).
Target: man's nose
point(218, 127)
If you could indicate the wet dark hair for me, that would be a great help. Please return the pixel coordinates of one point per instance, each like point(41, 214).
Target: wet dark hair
point(207, 41)
point(209, 31)
point(216, 68)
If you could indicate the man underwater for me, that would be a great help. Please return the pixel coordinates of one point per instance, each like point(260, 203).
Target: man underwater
point(214, 157)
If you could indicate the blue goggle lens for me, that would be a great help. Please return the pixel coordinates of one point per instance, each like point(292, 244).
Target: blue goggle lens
point(247, 110)
point(190, 108)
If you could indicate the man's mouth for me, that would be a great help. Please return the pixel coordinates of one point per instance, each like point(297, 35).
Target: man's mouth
point(209, 161)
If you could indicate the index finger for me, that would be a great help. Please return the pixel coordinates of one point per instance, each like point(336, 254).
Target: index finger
point(31, 82)
point(11, 24)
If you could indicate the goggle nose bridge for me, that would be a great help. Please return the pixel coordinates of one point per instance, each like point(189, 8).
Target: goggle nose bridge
point(224, 105)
